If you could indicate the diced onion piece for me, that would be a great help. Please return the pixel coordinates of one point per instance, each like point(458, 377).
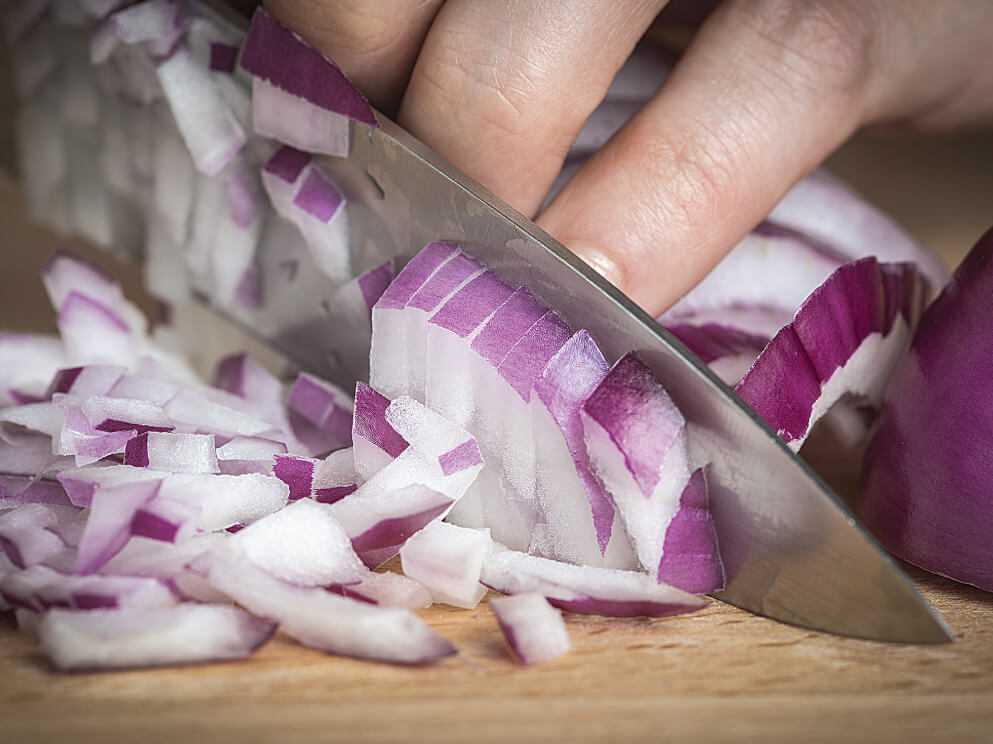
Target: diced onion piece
point(93, 332)
point(211, 132)
point(117, 639)
point(585, 590)
point(46, 418)
point(533, 629)
point(242, 455)
point(379, 519)
point(302, 544)
point(324, 405)
point(27, 362)
point(335, 477)
point(447, 560)
point(386, 589)
point(434, 437)
point(287, 118)
point(225, 500)
point(108, 529)
point(375, 443)
point(176, 453)
point(195, 411)
point(297, 473)
point(25, 536)
point(276, 54)
point(318, 618)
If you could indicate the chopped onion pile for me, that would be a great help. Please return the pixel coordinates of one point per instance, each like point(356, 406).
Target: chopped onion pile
point(139, 503)
point(148, 518)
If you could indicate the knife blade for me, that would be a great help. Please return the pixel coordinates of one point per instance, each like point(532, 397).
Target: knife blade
point(792, 550)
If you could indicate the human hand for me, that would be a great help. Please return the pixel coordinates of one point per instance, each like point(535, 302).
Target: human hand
point(765, 92)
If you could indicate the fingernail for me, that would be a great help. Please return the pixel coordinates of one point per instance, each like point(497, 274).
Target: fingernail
point(603, 264)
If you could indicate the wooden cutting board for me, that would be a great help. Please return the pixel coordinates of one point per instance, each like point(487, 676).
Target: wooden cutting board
point(715, 676)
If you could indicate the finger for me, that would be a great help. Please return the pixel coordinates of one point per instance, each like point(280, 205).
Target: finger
point(375, 42)
point(766, 91)
point(501, 89)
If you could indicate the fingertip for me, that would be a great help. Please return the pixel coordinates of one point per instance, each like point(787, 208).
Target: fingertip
point(600, 261)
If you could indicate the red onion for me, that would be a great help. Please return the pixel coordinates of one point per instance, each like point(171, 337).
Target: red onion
point(844, 340)
point(242, 455)
point(27, 362)
point(335, 477)
point(375, 443)
point(176, 453)
point(448, 560)
point(926, 494)
point(183, 634)
point(584, 589)
point(386, 589)
point(299, 96)
point(209, 128)
point(318, 618)
point(302, 544)
point(324, 406)
point(533, 629)
point(379, 521)
point(578, 513)
point(25, 536)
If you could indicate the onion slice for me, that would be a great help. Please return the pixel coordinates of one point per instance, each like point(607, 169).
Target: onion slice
point(647, 476)
point(845, 339)
point(586, 590)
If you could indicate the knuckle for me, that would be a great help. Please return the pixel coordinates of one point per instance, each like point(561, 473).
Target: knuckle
point(497, 88)
point(359, 29)
point(827, 46)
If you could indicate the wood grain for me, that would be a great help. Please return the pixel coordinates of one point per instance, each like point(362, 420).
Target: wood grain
point(721, 675)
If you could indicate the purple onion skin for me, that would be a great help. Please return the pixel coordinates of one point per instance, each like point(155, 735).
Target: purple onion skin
point(928, 487)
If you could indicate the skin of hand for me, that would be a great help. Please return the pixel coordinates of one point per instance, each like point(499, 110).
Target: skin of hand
point(766, 90)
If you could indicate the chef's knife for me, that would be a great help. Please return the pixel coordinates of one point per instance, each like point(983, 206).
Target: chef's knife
point(792, 550)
